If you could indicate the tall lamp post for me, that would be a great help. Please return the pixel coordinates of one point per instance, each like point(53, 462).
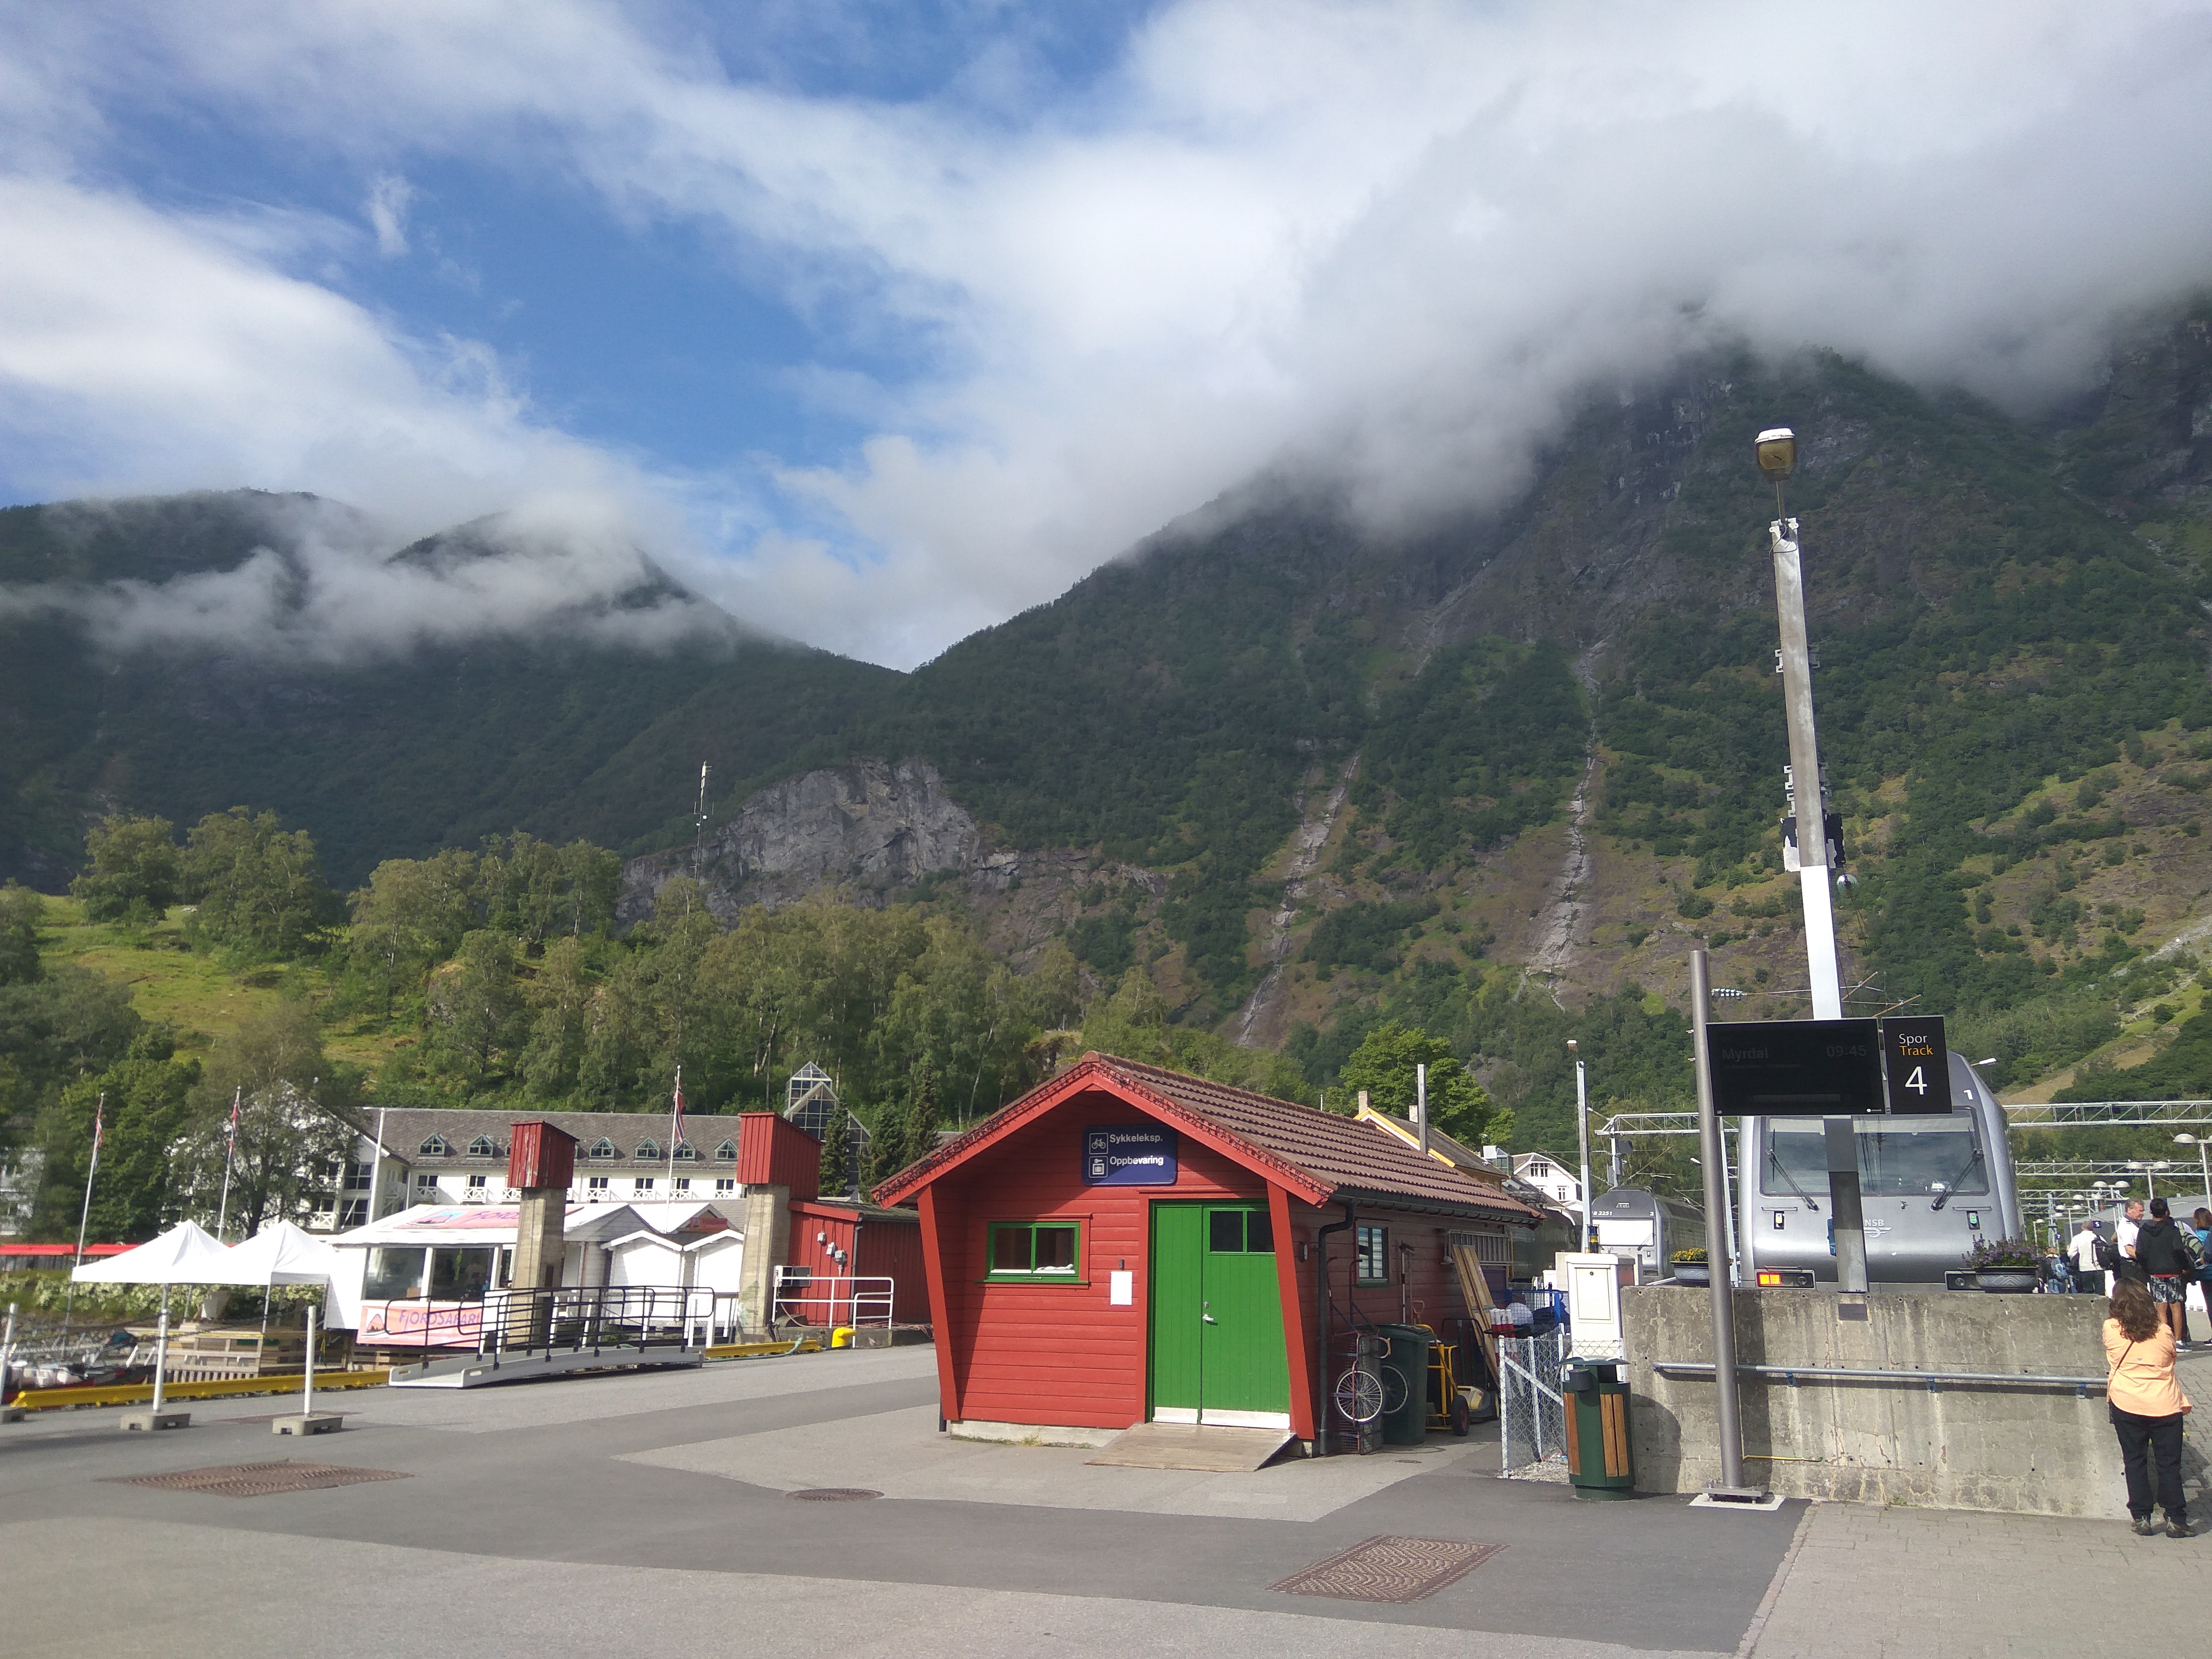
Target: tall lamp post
point(1776, 450)
point(1581, 1134)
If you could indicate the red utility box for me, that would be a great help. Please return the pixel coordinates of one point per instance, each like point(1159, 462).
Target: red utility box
point(540, 1155)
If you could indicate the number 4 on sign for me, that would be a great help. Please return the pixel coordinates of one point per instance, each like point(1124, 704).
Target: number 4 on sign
point(1915, 1061)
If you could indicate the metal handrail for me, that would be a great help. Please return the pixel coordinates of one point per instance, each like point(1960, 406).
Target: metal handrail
point(572, 1317)
point(858, 1301)
point(1876, 1373)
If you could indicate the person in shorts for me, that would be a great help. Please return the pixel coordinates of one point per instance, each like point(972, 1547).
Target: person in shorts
point(2168, 1267)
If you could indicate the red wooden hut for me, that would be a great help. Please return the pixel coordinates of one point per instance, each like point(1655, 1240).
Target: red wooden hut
point(1125, 1244)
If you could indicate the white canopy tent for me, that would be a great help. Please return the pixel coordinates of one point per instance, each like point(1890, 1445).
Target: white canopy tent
point(281, 1254)
point(186, 1254)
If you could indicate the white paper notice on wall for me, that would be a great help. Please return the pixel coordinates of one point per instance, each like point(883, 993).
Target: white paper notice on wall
point(1120, 1289)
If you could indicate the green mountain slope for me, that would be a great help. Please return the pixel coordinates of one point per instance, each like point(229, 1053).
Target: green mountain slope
point(387, 755)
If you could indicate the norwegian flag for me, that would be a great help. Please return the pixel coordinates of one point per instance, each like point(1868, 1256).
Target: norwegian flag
point(676, 1123)
point(236, 1096)
point(99, 1111)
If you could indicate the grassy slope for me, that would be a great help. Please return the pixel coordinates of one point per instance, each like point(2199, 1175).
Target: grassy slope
point(192, 991)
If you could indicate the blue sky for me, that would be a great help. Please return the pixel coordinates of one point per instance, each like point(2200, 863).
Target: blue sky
point(880, 323)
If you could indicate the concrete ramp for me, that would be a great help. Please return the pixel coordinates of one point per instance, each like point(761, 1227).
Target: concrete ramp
point(1209, 1447)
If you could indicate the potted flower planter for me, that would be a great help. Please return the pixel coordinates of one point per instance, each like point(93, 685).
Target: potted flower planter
point(2006, 1266)
point(1693, 1272)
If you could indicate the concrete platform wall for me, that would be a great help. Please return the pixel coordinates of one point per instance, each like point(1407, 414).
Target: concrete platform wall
point(2020, 1450)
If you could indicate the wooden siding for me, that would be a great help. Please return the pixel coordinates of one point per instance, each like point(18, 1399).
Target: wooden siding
point(889, 1248)
point(1057, 1354)
point(773, 1153)
point(1431, 1291)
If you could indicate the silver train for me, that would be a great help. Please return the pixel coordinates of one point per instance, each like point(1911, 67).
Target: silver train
point(1633, 1223)
point(1930, 1189)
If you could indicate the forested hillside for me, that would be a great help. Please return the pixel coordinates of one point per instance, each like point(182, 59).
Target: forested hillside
point(1279, 783)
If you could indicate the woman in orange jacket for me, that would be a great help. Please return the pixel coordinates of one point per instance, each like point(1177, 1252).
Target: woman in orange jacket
point(2147, 1406)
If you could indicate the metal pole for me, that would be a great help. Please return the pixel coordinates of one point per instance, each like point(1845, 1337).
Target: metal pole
point(1805, 775)
point(229, 1152)
point(376, 1165)
point(1581, 1134)
point(1723, 1291)
point(307, 1404)
point(1812, 811)
point(1421, 1104)
point(69, 1300)
point(7, 1352)
point(160, 1347)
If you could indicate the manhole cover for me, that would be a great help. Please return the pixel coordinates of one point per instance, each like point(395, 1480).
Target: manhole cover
point(1389, 1569)
point(258, 1479)
point(833, 1494)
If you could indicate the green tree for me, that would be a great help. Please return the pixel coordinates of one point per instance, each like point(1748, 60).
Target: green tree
point(1384, 1065)
point(68, 1025)
point(477, 1020)
point(411, 917)
point(135, 870)
point(560, 997)
point(906, 1130)
point(291, 1140)
point(22, 913)
point(141, 1100)
point(259, 886)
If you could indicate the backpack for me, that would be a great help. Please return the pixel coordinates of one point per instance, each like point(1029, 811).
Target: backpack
point(2108, 1254)
point(2194, 1246)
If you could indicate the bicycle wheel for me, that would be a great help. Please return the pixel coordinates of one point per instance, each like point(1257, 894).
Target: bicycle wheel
point(1394, 1390)
point(1359, 1394)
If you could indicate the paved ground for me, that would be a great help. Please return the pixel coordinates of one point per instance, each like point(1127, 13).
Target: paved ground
point(649, 1516)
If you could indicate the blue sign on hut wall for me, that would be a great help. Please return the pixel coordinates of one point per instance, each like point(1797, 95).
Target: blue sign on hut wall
point(1129, 1155)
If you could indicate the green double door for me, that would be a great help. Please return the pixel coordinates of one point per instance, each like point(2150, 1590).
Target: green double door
point(1217, 1318)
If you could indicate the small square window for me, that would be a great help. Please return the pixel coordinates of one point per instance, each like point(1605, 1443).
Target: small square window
point(1033, 1250)
point(726, 1184)
point(642, 1184)
point(596, 1187)
point(683, 1183)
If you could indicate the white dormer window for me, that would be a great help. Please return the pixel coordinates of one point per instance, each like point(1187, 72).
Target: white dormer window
point(727, 1153)
point(647, 1150)
point(684, 1154)
point(484, 1147)
point(604, 1148)
point(433, 1146)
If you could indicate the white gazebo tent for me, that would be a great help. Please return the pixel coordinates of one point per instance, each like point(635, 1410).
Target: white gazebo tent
point(186, 1254)
point(284, 1254)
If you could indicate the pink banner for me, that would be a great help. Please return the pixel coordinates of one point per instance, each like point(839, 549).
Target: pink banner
point(417, 1324)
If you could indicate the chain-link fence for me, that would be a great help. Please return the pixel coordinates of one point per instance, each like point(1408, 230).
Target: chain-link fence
point(1532, 1420)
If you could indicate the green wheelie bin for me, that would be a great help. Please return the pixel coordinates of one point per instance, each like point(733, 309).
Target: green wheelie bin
point(1406, 1355)
point(1599, 1466)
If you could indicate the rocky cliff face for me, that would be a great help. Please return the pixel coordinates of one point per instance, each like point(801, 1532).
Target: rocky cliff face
point(873, 826)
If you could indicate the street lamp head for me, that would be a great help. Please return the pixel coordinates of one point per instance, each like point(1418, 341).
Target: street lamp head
point(1777, 449)
point(2184, 1139)
point(1571, 1045)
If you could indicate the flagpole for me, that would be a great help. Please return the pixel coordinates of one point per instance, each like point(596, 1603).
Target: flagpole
point(69, 1303)
point(229, 1150)
point(676, 1126)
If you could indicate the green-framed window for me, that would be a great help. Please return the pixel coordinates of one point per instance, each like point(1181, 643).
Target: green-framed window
point(1374, 1254)
point(1035, 1252)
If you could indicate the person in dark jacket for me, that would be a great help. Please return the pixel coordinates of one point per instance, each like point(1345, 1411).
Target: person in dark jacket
point(2165, 1263)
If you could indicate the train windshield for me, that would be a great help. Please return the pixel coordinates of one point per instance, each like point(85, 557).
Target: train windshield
point(1894, 1162)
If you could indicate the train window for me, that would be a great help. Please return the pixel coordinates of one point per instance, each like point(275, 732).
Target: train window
point(1905, 1163)
point(1796, 1163)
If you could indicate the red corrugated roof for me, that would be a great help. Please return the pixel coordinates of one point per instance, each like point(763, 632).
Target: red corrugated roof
point(1298, 1146)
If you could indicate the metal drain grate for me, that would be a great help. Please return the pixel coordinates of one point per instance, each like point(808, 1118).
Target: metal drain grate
point(832, 1494)
point(258, 1479)
point(1389, 1569)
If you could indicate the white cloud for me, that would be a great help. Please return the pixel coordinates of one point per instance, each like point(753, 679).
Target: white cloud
point(1397, 241)
point(389, 196)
